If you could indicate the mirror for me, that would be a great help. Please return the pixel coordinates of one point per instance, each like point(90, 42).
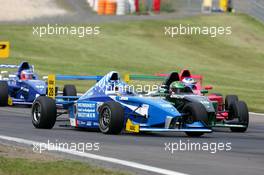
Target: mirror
point(204, 91)
point(208, 87)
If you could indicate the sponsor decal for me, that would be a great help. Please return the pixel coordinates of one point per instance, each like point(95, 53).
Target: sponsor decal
point(51, 85)
point(86, 115)
point(123, 98)
point(87, 110)
point(143, 110)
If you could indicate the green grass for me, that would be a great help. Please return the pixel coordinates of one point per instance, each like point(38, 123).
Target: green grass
point(232, 64)
point(18, 166)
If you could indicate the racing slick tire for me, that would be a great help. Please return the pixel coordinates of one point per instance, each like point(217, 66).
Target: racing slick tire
point(69, 90)
point(197, 112)
point(229, 100)
point(44, 113)
point(111, 118)
point(3, 93)
point(242, 113)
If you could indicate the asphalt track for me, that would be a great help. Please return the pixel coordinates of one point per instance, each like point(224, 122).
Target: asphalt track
point(245, 157)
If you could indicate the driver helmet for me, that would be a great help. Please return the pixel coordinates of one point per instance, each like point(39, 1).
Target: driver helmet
point(26, 75)
point(176, 87)
point(190, 82)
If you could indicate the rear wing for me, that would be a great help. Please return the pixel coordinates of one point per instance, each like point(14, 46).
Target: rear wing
point(198, 78)
point(162, 77)
point(8, 66)
point(52, 78)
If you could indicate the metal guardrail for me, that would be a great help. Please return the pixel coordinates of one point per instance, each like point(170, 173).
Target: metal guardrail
point(254, 8)
point(257, 10)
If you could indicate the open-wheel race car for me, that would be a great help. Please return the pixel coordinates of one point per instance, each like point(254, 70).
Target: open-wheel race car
point(112, 106)
point(20, 87)
point(23, 86)
point(227, 112)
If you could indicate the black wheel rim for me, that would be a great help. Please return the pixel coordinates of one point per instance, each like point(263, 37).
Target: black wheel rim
point(105, 118)
point(37, 112)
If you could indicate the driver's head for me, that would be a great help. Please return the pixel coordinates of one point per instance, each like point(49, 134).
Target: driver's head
point(176, 87)
point(190, 82)
point(26, 75)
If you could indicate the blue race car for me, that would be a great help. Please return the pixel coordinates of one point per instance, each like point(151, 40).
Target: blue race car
point(21, 87)
point(111, 106)
point(24, 86)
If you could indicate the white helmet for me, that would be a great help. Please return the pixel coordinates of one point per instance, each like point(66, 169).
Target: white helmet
point(189, 81)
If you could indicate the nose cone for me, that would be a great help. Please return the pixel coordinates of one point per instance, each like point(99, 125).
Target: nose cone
point(160, 110)
point(156, 109)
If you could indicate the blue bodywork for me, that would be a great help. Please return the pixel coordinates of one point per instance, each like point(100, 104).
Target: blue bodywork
point(150, 113)
point(24, 91)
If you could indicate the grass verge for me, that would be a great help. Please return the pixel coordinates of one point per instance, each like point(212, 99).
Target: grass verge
point(15, 160)
point(19, 166)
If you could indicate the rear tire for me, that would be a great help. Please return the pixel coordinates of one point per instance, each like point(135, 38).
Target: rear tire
point(69, 90)
point(197, 113)
point(3, 93)
point(229, 100)
point(44, 113)
point(111, 118)
point(243, 116)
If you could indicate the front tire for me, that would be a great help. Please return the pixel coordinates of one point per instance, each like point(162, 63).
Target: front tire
point(44, 113)
point(197, 112)
point(3, 93)
point(111, 118)
point(243, 116)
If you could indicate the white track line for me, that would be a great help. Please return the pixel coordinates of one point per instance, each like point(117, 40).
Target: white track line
point(97, 157)
point(254, 113)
